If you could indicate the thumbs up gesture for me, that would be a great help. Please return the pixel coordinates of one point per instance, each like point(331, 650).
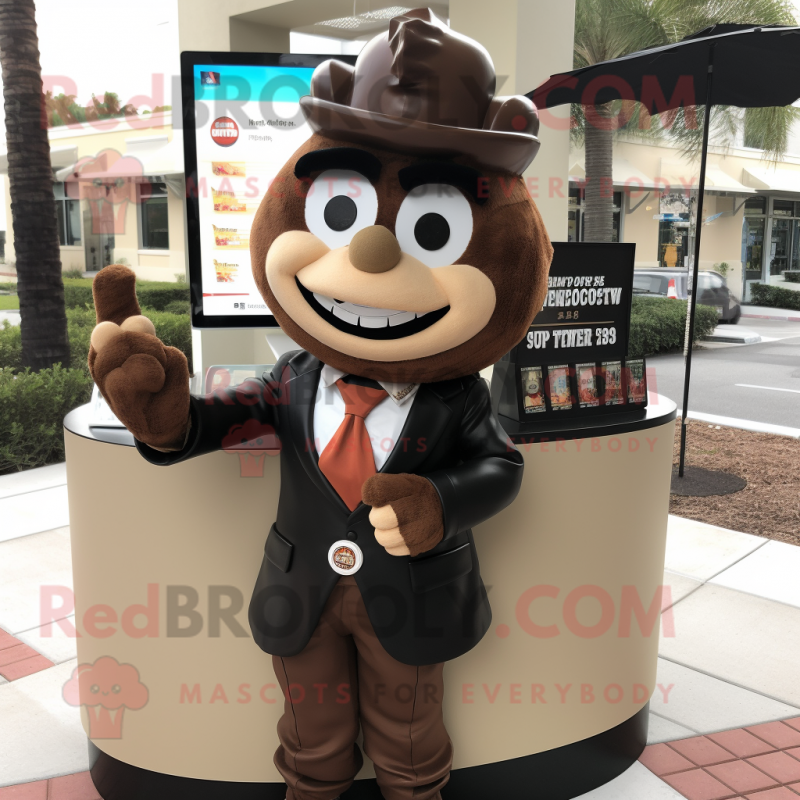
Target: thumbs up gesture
point(145, 383)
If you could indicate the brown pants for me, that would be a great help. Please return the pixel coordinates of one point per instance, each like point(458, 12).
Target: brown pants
point(344, 676)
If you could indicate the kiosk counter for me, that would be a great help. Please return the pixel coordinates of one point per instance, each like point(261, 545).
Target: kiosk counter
point(554, 697)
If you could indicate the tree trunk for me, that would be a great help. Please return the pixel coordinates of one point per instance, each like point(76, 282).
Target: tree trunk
point(598, 213)
point(30, 178)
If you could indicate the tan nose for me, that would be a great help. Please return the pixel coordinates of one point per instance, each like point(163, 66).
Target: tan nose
point(374, 249)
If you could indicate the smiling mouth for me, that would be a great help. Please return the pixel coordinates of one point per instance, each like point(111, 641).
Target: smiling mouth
point(366, 321)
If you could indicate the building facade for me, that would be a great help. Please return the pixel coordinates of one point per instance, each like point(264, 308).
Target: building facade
point(750, 215)
point(119, 191)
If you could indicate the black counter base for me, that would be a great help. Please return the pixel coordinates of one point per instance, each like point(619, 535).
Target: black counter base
point(558, 774)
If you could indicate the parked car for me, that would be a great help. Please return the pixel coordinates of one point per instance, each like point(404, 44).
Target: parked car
point(711, 289)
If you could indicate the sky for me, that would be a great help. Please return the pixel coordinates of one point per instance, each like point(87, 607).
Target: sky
point(95, 46)
point(108, 45)
point(111, 45)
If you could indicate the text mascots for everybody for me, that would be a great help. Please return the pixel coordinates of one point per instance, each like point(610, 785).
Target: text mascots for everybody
point(403, 254)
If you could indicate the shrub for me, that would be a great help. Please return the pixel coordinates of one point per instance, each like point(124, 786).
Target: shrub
point(10, 346)
point(775, 296)
point(153, 294)
point(173, 329)
point(78, 292)
point(659, 324)
point(32, 410)
point(33, 404)
point(792, 276)
point(722, 268)
point(80, 324)
point(178, 307)
point(8, 286)
point(158, 295)
point(72, 273)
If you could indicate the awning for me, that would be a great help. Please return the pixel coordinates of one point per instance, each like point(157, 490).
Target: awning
point(157, 156)
point(681, 176)
point(623, 174)
point(144, 157)
point(59, 157)
point(768, 179)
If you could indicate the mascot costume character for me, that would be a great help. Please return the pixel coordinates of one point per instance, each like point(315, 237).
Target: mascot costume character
point(407, 257)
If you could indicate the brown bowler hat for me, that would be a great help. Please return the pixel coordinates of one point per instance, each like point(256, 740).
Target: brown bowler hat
point(424, 89)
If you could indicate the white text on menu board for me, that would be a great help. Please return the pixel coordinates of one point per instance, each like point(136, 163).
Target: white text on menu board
point(574, 292)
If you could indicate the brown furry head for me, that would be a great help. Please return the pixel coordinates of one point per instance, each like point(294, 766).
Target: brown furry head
point(460, 291)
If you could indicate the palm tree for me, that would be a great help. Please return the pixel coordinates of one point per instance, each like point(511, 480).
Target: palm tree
point(607, 29)
point(30, 178)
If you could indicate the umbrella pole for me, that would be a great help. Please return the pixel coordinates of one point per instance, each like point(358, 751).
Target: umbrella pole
point(696, 266)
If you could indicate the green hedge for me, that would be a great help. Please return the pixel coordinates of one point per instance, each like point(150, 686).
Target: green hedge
point(178, 307)
point(792, 276)
point(78, 292)
point(33, 405)
point(659, 324)
point(774, 296)
point(174, 330)
point(32, 409)
point(153, 294)
point(159, 295)
point(10, 346)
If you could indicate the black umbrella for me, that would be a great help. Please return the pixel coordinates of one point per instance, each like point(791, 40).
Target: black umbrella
point(730, 65)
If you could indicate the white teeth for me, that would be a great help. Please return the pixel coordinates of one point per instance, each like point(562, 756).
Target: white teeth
point(401, 318)
point(365, 316)
point(369, 311)
point(374, 322)
point(325, 302)
point(338, 311)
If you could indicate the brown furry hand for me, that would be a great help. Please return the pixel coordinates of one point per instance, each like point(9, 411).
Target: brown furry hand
point(145, 383)
point(406, 513)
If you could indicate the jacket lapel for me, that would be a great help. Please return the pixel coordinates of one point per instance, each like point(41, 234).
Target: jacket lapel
point(302, 397)
point(427, 418)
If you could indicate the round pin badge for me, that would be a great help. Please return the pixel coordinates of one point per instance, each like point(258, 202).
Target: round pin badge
point(345, 557)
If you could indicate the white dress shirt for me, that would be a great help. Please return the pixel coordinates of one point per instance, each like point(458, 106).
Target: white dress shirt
point(384, 423)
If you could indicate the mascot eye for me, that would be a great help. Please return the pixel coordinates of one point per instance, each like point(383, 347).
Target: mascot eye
point(339, 204)
point(434, 224)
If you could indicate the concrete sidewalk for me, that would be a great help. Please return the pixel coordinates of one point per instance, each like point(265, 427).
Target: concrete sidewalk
point(727, 679)
point(764, 312)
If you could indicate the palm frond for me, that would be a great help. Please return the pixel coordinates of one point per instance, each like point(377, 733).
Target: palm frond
point(768, 129)
point(607, 29)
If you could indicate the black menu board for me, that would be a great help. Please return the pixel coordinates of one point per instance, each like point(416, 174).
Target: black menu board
point(573, 359)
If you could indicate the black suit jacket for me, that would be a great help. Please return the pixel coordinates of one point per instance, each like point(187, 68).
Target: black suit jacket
point(425, 609)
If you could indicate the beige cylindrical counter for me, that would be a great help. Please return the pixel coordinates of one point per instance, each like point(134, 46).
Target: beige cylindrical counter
point(165, 561)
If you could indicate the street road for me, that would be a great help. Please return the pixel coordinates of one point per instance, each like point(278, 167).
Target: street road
point(759, 382)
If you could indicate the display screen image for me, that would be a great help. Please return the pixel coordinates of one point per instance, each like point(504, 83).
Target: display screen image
point(533, 390)
point(247, 122)
point(637, 385)
point(559, 387)
point(612, 383)
point(588, 389)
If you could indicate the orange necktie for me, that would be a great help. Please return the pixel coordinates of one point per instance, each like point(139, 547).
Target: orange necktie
point(348, 461)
